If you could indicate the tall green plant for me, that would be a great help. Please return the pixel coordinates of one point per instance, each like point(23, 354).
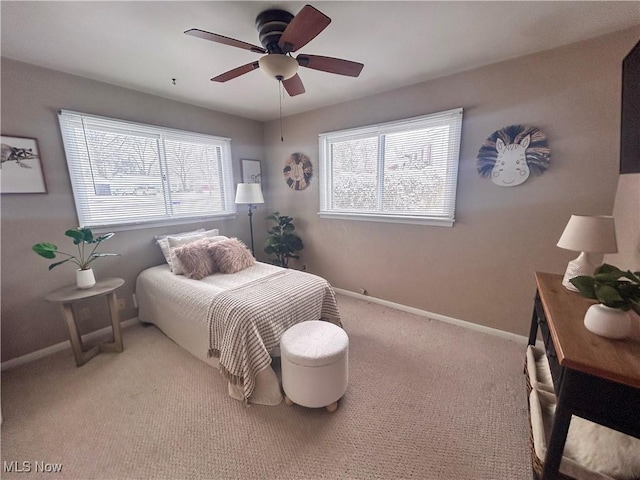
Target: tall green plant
point(611, 286)
point(282, 242)
point(86, 255)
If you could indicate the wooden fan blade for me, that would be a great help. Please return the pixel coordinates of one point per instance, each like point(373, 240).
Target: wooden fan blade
point(293, 86)
point(330, 64)
point(214, 37)
point(236, 72)
point(304, 27)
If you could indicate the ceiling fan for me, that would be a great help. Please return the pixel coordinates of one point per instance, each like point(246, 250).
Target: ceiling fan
point(281, 33)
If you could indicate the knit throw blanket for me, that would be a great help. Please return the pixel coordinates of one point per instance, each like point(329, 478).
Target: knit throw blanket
point(246, 322)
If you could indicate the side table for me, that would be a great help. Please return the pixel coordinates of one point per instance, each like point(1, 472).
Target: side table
point(66, 296)
point(594, 377)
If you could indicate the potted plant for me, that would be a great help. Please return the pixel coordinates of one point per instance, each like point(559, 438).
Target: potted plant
point(617, 291)
point(82, 237)
point(282, 242)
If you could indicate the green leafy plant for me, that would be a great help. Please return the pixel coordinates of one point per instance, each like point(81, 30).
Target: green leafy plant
point(611, 286)
point(282, 242)
point(82, 237)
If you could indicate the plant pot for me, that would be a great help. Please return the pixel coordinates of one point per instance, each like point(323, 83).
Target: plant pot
point(85, 278)
point(607, 322)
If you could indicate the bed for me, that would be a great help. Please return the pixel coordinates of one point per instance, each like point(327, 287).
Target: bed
point(234, 321)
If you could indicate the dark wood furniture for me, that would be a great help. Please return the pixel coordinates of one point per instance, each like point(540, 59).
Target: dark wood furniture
point(595, 378)
point(66, 296)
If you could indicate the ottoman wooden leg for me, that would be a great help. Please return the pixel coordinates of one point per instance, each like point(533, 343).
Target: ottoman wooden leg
point(332, 408)
point(288, 401)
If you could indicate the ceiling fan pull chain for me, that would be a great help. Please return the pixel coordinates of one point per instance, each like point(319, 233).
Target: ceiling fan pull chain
point(280, 95)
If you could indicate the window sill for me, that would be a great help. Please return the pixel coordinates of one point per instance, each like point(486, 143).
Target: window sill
point(363, 217)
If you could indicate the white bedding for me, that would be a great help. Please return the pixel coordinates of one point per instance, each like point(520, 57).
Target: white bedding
point(179, 306)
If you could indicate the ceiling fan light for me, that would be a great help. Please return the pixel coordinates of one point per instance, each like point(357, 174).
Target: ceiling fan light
point(278, 66)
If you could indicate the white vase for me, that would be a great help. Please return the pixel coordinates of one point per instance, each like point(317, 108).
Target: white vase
point(85, 278)
point(607, 322)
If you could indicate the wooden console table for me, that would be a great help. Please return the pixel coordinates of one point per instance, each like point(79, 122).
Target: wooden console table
point(66, 296)
point(595, 378)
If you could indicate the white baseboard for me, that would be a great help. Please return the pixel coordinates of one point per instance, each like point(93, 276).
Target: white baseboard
point(30, 357)
point(436, 316)
point(58, 347)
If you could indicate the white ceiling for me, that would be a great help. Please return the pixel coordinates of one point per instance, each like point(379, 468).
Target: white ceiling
point(141, 45)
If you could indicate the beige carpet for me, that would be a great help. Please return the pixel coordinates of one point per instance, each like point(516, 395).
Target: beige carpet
point(426, 400)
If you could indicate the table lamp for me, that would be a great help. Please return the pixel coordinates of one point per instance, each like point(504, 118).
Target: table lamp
point(586, 234)
point(249, 194)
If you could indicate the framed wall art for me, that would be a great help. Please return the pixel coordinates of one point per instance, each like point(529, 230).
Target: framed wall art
point(21, 169)
point(251, 172)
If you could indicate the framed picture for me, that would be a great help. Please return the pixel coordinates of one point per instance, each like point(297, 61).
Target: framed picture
point(21, 169)
point(251, 172)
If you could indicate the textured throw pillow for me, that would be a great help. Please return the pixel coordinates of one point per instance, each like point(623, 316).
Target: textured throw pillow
point(231, 255)
point(174, 242)
point(195, 259)
point(163, 243)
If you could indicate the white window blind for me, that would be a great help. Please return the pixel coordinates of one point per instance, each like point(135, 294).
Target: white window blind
point(126, 173)
point(404, 171)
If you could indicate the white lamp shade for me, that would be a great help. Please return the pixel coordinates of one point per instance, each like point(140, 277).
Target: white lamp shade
point(278, 66)
point(596, 234)
point(249, 193)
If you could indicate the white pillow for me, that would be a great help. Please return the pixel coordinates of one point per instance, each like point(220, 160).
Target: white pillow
point(175, 242)
point(163, 243)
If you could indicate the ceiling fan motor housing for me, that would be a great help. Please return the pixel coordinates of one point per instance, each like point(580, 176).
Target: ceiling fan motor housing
point(271, 24)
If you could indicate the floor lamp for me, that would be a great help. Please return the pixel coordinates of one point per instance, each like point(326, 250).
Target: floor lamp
point(249, 194)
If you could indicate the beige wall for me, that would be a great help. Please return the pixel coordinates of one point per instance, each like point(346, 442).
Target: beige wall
point(31, 97)
point(481, 270)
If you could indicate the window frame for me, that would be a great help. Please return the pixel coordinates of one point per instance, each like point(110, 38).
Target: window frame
point(452, 117)
point(225, 177)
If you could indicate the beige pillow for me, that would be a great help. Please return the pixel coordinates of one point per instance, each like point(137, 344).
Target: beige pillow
point(195, 259)
point(231, 255)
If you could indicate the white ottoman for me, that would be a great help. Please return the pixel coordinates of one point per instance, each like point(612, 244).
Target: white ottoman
point(314, 357)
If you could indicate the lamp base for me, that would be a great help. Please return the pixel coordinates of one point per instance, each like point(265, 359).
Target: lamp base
point(580, 266)
point(251, 228)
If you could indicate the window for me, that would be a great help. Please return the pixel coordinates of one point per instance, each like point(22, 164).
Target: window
point(403, 171)
point(126, 173)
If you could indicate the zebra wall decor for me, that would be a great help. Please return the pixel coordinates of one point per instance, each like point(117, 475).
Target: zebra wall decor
point(510, 154)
